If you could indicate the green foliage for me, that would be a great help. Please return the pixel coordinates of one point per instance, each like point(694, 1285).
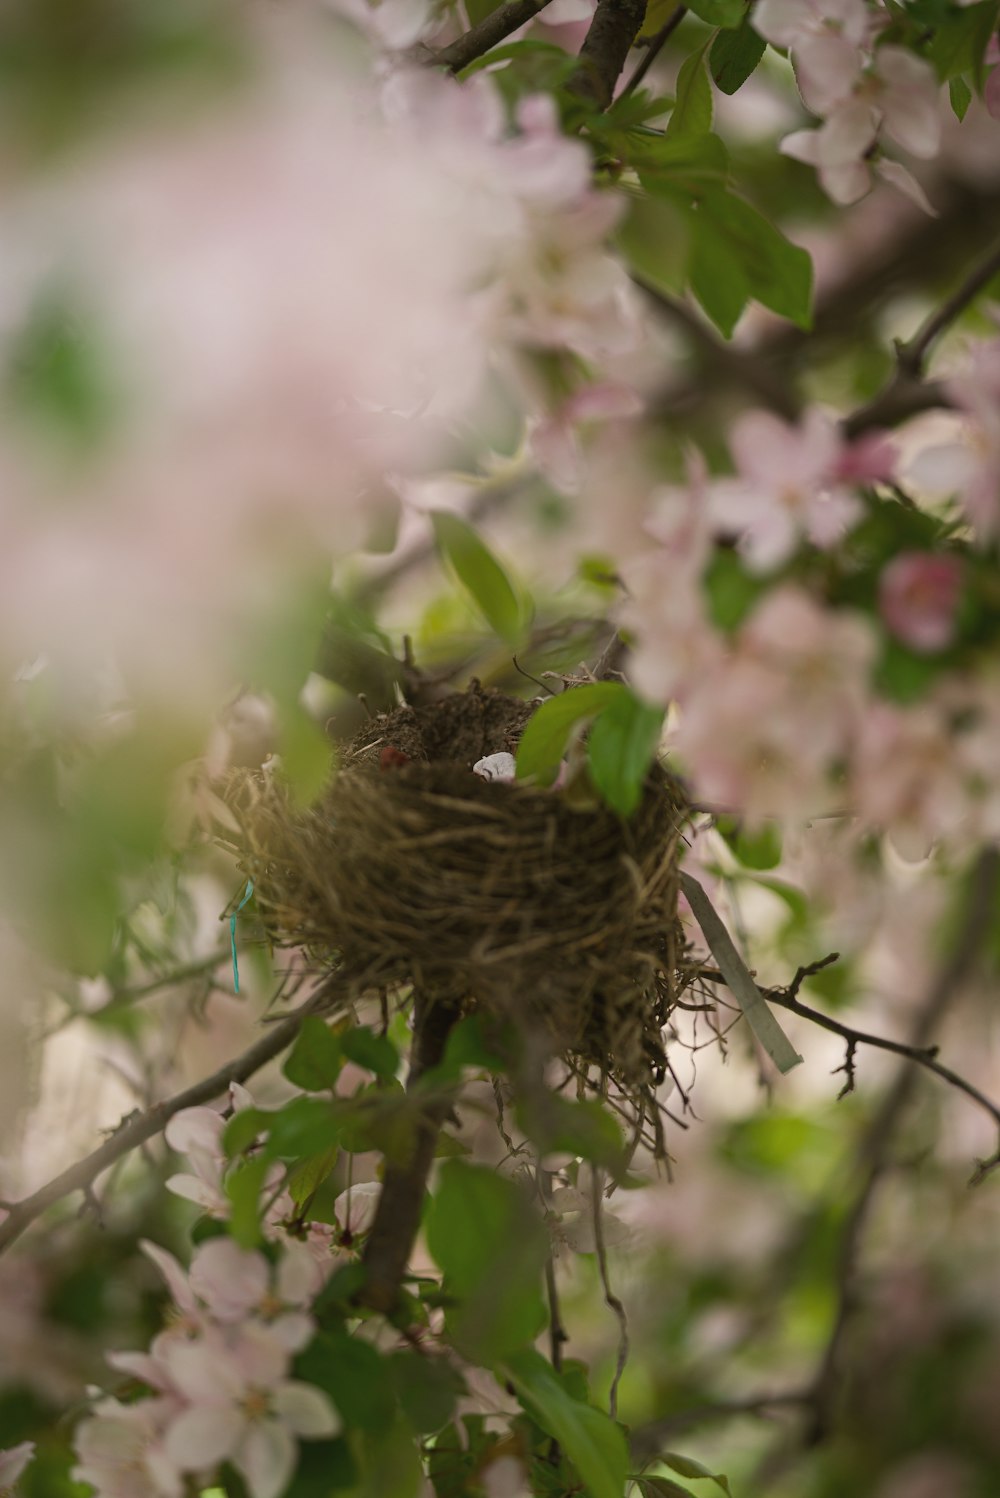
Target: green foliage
point(315, 1060)
point(355, 1376)
point(586, 1129)
point(719, 12)
point(686, 1466)
point(593, 1442)
point(243, 1187)
point(734, 56)
point(427, 1388)
point(56, 376)
point(547, 733)
point(479, 572)
point(959, 39)
point(621, 747)
point(491, 1246)
point(757, 848)
point(692, 112)
point(324, 1467)
point(731, 590)
point(737, 254)
point(375, 1053)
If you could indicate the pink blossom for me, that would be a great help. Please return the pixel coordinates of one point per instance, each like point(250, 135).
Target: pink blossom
point(121, 1453)
point(786, 487)
point(554, 440)
point(12, 1463)
point(969, 466)
point(825, 39)
point(918, 599)
point(906, 778)
point(355, 1208)
point(197, 1133)
point(243, 1408)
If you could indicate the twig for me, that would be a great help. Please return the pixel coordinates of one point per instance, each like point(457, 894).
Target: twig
point(489, 32)
point(925, 1056)
point(615, 26)
point(906, 392)
point(397, 1216)
point(610, 1298)
point(649, 1439)
point(873, 1152)
point(654, 48)
point(122, 998)
point(140, 1126)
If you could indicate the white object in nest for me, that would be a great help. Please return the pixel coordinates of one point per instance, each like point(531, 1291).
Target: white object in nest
point(495, 767)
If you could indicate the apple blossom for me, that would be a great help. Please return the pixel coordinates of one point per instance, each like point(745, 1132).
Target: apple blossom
point(786, 487)
point(121, 1453)
point(826, 42)
point(242, 1407)
point(13, 1461)
point(918, 598)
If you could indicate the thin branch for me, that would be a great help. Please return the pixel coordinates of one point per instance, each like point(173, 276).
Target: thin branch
point(654, 48)
point(489, 32)
point(606, 46)
point(925, 1056)
point(906, 392)
point(122, 998)
point(912, 354)
point(872, 1157)
point(140, 1126)
point(649, 1439)
point(610, 1298)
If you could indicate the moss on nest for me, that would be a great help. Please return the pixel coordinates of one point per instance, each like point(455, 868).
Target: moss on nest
point(491, 895)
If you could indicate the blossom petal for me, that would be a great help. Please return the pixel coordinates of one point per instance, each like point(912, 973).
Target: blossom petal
point(201, 1437)
point(266, 1459)
point(305, 1409)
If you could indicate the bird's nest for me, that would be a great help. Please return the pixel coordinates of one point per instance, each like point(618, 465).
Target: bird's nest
point(497, 897)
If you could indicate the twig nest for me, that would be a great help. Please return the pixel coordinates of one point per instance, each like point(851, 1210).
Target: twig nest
point(416, 868)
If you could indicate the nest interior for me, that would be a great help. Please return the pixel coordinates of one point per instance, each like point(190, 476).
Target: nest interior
point(494, 895)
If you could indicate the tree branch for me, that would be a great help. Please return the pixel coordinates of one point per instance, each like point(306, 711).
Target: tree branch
point(397, 1216)
point(138, 1127)
point(654, 47)
point(615, 26)
point(873, 1152)
point(489, 32)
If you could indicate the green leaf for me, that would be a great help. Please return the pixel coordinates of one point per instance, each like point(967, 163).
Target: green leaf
point(686, 1466)
point(732, 591)
point(315, 1060)
point(676, 164)
point(759, 848)
point(663, 1487)
point(243, 1187)
point(717, 276)
point(558, 1125)
point(308, 1176)
point(427, 1388)
point(655, 238)
point(303, 1127)
point(960, 95)
point(478, 10)
point(390, 1463)
point(620, 750)
point(376, 1053)
point(548, 730)
point(692, 111)
point(324, 1467)
point(591, 1440)
point(243, 1129)
point(776, 272)
point(478, 570)
point(960, 40)
point(353, 1374)
point(491, 1246)
point(734, 57)
point(719, 12)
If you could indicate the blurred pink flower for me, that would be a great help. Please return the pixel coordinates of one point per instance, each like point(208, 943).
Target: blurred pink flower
point(786, 487)
point(826, 39)
point(918, 599)
point(355, 1208)
point(121, 1453)
point(12, 1463)
point(969, 466)
point(554, 440)
point(906, 778)
point(197, 1133)
point(242, 1407)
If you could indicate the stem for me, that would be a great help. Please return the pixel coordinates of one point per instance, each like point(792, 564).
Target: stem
point(491, 30)
point(400, 1205)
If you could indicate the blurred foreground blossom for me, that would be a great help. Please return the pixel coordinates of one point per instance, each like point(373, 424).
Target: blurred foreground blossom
point(13, 1463)
point(918, 598)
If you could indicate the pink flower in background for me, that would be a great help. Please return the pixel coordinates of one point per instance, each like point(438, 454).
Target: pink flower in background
point(826, 40)
point(242, 1407)
point(786, 487)
point(121, 1453)
point(12, 1463)
point(906, 778)
point(918, 599)
point(554, 440)
point(197, 1133)
point(969, 465)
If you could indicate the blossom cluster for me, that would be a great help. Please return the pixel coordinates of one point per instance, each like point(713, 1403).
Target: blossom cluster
point(861, 91)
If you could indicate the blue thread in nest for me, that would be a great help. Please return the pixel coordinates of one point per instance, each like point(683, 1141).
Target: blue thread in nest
point(232, 933)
